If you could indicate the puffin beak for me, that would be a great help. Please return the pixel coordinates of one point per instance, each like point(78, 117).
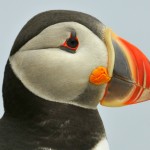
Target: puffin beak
point(129, 70)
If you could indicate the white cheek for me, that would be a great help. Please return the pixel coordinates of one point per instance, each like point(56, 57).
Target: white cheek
point(54, 74)
point(57, 75)
point(50, 37)
point(49, 74)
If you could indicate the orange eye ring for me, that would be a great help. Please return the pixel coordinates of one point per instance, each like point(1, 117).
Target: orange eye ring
point(71, 43)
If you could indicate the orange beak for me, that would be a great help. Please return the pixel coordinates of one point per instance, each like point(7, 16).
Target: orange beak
point(129, 70)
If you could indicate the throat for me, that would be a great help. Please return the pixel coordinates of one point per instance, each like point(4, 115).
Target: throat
point(68, 125)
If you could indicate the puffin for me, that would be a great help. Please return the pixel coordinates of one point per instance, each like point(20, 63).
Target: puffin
point(62, 65)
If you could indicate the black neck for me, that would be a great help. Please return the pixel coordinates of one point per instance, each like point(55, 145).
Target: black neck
point(57, 126)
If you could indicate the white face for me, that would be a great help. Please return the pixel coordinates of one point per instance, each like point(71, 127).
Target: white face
point(54, 74)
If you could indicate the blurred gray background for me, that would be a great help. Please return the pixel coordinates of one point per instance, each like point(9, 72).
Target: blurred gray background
point(127, 128)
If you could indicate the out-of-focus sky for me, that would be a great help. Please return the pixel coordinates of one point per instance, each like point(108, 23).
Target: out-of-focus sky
point(127, 128)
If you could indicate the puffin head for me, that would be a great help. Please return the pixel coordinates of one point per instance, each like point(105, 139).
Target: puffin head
point(71, 57)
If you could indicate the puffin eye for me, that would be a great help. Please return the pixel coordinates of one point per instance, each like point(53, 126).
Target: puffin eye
point(71, 44)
